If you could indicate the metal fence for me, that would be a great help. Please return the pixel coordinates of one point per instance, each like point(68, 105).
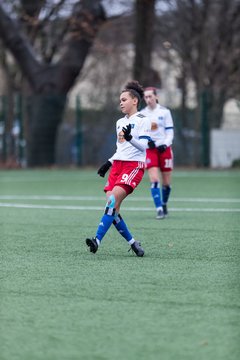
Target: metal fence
point(87, 137)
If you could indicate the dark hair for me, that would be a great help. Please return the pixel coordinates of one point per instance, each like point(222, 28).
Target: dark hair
point(135, 90)
point(151, 88)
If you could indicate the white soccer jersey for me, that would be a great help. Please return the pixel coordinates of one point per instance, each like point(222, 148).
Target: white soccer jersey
point(135, 149)
point(161, 124)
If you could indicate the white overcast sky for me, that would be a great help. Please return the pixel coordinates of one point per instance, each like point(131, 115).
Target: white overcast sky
point(112, 7)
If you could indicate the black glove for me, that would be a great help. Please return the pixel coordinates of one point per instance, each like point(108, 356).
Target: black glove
point(127, 132)
point(151, 144)
point(104, 168)
point(162, 148)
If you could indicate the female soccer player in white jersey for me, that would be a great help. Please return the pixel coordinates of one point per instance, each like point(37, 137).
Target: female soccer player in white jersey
point(127, 166)
point(159, 154)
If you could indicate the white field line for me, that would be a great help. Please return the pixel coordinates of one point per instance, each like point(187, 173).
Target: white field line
point(48, 177)
point(97, 198)
point(94, 208)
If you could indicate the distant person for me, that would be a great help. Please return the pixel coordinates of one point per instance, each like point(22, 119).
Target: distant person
point(159, 159)
point(127, 166)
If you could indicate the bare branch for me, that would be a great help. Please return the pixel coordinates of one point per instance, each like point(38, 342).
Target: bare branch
point(19, 45)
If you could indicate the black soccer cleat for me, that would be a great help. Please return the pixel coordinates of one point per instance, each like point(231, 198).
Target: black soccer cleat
point(165, 209)
point(136, 247)
point(92, 243)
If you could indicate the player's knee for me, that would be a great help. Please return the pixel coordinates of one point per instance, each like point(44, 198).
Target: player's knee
point(111, 202)
point(110, 208)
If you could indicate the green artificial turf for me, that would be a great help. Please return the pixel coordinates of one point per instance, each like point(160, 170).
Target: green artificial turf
point(181, 301)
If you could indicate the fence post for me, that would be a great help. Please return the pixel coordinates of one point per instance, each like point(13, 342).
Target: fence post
point(19, 118)
point(205, 128)
point(3, 118)
point(78, 131)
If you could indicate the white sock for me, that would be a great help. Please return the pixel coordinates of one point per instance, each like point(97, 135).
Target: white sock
point(131, 241)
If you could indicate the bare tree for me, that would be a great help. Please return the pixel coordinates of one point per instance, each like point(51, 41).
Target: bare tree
point(205, 37)
point(49, 80)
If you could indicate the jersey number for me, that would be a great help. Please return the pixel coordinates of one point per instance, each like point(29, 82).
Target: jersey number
point(124, 178)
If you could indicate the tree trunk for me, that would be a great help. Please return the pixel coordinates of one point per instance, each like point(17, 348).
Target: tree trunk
point(45, 113)
point(50, 83)
point(145, 19)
